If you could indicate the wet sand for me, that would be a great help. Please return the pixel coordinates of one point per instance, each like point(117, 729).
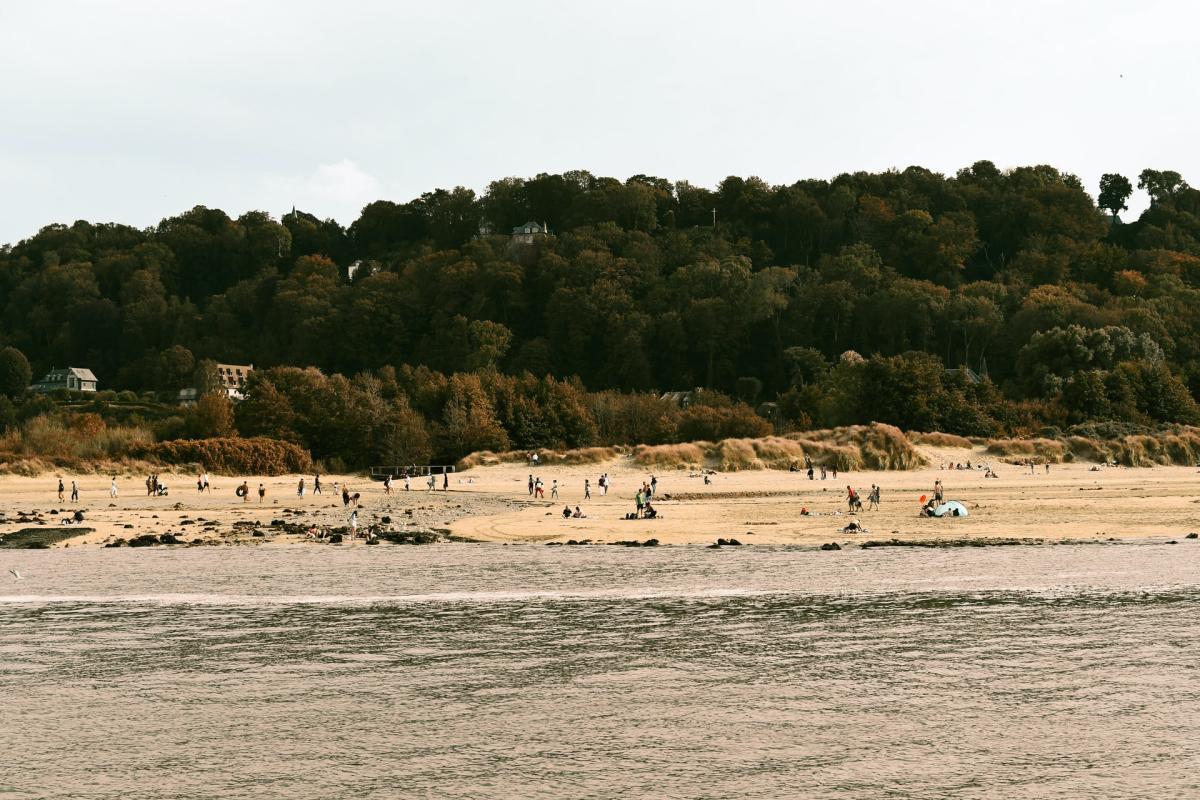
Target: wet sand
point(1072, 501)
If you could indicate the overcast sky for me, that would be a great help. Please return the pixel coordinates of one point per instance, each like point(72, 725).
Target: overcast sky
point(133, 111)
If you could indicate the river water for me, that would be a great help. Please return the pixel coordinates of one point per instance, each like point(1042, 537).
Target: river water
point(489, 671)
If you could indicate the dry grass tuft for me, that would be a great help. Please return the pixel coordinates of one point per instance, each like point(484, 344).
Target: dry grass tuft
point(937, 439)
point(671, 456)
point(580, 455)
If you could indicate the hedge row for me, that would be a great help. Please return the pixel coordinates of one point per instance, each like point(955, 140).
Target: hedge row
point(232, 456)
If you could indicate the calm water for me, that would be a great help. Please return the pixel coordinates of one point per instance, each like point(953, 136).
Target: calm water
point(478, 671)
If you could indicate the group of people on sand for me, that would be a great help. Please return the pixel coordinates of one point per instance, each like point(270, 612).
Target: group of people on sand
point(74, 490)
point(644, 507)
point(811, 470)
point(155, 487)
point(567, 513)
point(243, 492)
point(854, 499)
point(301, 488)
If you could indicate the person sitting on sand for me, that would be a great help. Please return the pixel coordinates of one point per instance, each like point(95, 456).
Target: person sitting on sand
point(578, 513)
point(804, 511)
point(649, 512)
point(566, 512)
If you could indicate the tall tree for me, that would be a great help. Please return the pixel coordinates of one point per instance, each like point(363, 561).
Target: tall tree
point(1115, 189)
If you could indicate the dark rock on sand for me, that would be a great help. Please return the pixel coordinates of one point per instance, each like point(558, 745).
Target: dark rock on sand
point(1192, 536)
point(831, 546)
point(169, 538)
point(145, 540)
point(410, 537)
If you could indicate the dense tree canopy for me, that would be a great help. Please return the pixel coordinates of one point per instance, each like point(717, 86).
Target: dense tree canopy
point(641, 287)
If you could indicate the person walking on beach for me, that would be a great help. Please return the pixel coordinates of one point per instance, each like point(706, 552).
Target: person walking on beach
point(653, 486)
point(354, 524)
point(317, 483)
point(554, 490)
point(539, 489)
point(587, 489)
point(262, 492)
point(531, 484)
point(445, 481)
point(873, 498)
point(61, 488)
point(74, 492)
point(407, 485)
point(300, 488)
point(243, 491)
point(112, 488)
point(387, 484)
point(937, 490)
point(431, 483)
point(345, 496)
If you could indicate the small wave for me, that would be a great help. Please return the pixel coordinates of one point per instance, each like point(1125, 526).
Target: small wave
point(368, 600)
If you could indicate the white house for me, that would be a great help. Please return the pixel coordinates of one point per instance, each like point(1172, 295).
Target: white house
point(78, 379)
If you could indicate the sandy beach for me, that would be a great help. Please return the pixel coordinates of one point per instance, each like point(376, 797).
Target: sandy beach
point(1071, 501)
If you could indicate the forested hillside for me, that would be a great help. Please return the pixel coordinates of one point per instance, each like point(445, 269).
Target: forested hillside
point(841, 301)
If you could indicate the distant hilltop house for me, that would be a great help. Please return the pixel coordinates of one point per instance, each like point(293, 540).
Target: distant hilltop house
point(233, 378)
point(77, 379)
point(681, 399)
point(233, 381)
point(970, 375)
point(529, 232)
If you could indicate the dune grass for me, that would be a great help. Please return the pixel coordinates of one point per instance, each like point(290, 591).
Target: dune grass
point(937, 439)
